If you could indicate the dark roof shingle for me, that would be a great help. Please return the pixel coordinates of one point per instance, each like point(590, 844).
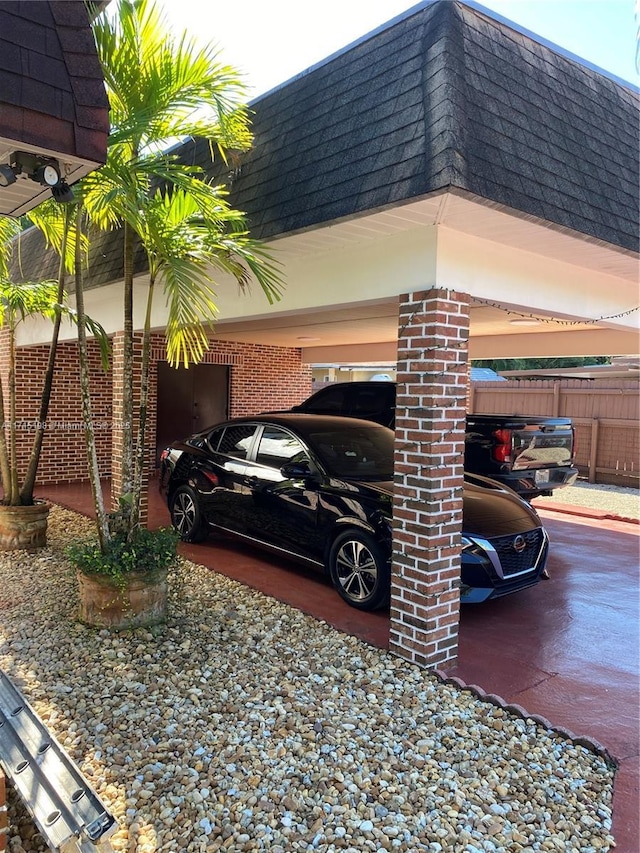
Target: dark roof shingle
point(445, 97)
point(51, 85)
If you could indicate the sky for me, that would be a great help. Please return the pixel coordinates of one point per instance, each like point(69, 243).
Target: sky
point(270, 41)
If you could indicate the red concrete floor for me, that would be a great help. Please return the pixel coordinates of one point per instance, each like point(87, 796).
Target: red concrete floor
point(566, 650)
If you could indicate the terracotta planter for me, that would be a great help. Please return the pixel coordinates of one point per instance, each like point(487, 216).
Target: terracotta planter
point(24, 527)
point(133, 601)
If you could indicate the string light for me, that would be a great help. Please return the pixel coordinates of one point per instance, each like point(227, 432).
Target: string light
point(554, 320)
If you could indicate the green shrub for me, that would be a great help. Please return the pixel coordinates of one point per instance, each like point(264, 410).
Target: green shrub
point(149, 551)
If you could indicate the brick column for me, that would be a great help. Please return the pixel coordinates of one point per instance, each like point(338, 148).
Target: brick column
point(118, 437)
point(429, 458)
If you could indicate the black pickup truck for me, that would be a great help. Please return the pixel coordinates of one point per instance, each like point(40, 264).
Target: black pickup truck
point(532, 455)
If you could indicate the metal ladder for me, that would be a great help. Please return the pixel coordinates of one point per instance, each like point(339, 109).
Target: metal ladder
point(64, 807)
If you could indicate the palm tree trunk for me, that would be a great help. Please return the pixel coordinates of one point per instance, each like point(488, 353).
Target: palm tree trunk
point(126, 465)
point(28, 486)
point(141, 444)
point(5, 467)
point(89, 434)
point(14, 493)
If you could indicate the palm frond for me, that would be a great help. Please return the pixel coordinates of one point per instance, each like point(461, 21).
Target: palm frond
point(192, 310)
point(9, 229)
point(96, 330)
point(251, 260)
point(50, 218)
point(157, 84)
point(27, 299)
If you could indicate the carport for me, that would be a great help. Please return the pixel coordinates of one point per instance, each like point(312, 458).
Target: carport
point(446, 188)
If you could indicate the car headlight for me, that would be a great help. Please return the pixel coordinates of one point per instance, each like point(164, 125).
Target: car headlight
point(470, 546)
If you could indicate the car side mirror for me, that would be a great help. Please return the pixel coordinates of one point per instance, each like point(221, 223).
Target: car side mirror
point(297, 470)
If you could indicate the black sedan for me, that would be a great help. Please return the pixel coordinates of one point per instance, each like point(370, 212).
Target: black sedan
point(320, 489)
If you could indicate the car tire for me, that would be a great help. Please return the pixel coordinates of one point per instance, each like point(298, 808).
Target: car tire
point(359, 570)
point(186, 515)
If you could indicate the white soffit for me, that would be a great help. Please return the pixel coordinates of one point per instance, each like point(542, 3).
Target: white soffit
point(23, 195)
point(368, 319)
point(376, 321)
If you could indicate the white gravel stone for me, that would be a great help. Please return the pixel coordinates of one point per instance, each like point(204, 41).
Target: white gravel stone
point(618, 501)
point(243, 724)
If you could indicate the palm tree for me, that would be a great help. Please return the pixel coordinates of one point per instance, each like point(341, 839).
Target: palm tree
point(19, 301)
point(162, 89)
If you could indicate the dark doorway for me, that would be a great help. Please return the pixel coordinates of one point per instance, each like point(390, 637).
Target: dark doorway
point(189, 400)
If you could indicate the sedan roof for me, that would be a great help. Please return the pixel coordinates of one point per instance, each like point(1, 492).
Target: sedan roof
point(302, 421)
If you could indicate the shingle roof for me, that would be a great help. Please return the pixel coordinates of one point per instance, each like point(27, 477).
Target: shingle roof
point(51, 84)
point(445, 97)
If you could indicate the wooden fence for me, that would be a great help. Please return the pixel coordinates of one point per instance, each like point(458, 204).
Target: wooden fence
point(605, 414)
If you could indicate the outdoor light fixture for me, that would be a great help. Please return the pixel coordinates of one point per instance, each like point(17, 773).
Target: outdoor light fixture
point(42, 170)
point(62, 192)
point(7, 175)
point(48, 174)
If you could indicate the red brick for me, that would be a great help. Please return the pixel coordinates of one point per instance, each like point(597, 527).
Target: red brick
point(430, 424)
point(262, 378)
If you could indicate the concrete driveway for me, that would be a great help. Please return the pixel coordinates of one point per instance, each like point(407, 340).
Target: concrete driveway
point(566, 650)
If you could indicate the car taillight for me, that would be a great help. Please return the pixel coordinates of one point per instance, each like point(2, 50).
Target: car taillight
point(164, 455)
point(574, 443)
point(502, 448)
point(211, 477)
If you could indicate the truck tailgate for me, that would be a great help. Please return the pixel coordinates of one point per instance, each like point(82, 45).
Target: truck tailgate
point(535, 446)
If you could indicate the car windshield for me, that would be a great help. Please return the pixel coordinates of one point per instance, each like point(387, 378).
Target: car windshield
point(355, 452)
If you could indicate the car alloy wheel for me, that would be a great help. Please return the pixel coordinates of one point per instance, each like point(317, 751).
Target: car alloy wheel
point(186, 516)
point(359, 571)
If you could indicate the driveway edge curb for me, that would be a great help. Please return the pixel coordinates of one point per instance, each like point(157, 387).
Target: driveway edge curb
point(585, 741)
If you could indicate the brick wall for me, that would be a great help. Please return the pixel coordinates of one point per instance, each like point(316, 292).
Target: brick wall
point(429, 457)
point(63, 453)
point(267, 379)
point(262, 378)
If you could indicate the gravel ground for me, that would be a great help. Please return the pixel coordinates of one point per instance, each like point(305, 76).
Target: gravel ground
point(244, 725)
point(624, 503)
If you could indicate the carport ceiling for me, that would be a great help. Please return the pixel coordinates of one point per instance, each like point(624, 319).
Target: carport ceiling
point(364, 323)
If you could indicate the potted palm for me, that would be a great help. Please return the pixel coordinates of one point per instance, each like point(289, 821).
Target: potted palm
point(160, 89)
point(125, 585)
point(23, 518)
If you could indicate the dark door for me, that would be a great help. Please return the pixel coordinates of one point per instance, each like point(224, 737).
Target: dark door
point(189, 399)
